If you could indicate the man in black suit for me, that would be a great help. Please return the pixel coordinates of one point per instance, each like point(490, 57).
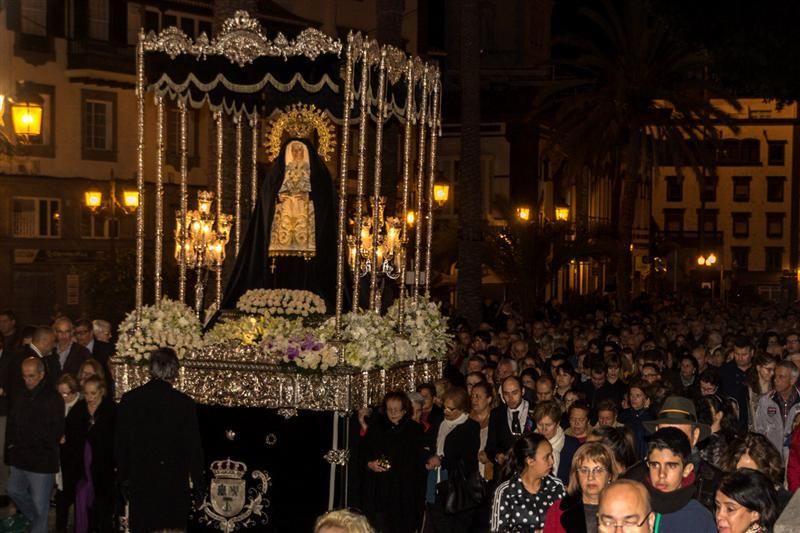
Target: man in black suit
point(158, 449)
point(41, 347)
point(71, 355)
point(507, 422)
point(100, 351)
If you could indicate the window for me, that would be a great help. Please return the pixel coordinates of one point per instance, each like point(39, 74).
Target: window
point(673, 221)
point(98, 20)
point(674, 188)
point(152, 21)
point(776, 152)
point(707, 221)
point(773, 258)
point(741, 257)
point(741, 224)
point(95, 225)
point(751, 151)
point(741, 188)
point(37, 217)
point(775, 225)
point(173, 151)
point(204, 26)
point(187, 26)
point(708, 189)
point(34, 17)
point(99, 125)
point(775, 188)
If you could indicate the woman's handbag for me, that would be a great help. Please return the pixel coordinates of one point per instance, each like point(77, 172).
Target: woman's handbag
point(461, 492)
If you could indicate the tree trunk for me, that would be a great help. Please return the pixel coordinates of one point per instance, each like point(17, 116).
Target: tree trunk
point(627, 210)
point(468, 191)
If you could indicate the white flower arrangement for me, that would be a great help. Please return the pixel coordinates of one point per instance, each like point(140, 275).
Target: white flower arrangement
point(284, 302)
point(171, 325)
point(426, 328)
point(371, 341)
point(247, 330)
point(290, 342)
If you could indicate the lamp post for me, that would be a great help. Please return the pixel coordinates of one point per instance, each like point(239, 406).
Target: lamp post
point(26, 113)
point(708, 261)
point(441, 192)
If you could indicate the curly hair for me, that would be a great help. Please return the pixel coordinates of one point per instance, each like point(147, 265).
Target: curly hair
point(349, 521)
point(760, 450)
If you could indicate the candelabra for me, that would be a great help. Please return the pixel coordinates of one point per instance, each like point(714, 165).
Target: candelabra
point(384, 243)
point(206, 238)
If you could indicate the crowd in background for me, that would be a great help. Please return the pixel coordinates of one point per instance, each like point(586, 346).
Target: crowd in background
point(690, 409)
point(686, 413)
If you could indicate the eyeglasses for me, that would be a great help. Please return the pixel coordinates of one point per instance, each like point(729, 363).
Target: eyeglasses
point(591, 472)
point(608, 523)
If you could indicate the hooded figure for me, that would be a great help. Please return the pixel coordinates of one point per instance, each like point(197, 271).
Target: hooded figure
point(300, 251)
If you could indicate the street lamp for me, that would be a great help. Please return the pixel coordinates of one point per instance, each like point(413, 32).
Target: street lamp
point(441, 191)
point(93, 199)
point(562, 212)
point(411, 217)
point(524, 213)
point(26, 113)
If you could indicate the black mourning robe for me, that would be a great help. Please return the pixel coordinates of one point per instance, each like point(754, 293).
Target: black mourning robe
point(317, 274)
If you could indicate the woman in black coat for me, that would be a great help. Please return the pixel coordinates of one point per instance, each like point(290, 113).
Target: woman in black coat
point(394, 460)
point(88, 457)
point(458, 441)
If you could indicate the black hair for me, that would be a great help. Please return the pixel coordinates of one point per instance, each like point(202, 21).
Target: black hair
point(742, 342)
point(710, 375)
point(429, 386)
point(8, 313)
point(620, 440)
point(672, 439)
point(525, 446)
point(753, 490)
point(729, 424)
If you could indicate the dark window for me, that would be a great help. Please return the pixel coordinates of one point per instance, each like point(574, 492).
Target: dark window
point(99, 125)
point(204, 26)
point(707, 221)
point(775, 224)
point(741, 188)
point(741, 257)
point(776, 152)
point(36, 217)
point(729, 151)
point(673, 221)
point(775, 188)
point(674, 188)
point(751, 151)
point(187, 26)
point(741, 224)
point(773, 258)
point(708, 189)
point(151, 21)
point(168, 21)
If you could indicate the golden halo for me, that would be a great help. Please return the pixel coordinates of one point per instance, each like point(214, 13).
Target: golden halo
point(302, 121)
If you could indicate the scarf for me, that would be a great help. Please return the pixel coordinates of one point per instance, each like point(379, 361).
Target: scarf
point(557, 442)
point(445, 428)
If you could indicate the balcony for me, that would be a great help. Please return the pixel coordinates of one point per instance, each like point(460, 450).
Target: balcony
point(690, 239)
point(100, 56)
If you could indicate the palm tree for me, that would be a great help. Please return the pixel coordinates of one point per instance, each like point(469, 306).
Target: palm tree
point(468, 192)
point(635, 95)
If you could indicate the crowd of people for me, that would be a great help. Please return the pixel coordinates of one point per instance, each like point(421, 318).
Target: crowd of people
point(670, 418)
point(67, 441)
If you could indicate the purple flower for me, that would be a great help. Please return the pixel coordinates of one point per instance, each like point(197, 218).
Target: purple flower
point(292, 353)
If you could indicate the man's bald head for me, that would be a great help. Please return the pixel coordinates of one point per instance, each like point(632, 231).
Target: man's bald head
point(32, 372)
point(626, 502)
point(44, 339)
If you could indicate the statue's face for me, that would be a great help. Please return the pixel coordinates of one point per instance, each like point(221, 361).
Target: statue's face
point(297, 151)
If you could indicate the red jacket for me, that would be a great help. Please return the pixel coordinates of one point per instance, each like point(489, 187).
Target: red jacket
point(793, 468)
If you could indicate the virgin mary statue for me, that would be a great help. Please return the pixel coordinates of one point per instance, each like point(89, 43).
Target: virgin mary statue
point(290, 242)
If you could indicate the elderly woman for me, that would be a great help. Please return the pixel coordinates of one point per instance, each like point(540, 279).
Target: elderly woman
point(70, 392)
point(458, 440)
point(546, 415)
point(394, 460)
point(746, 503)
point(342, 521)
point(90, 367)
point(520, 503)
point(88, 457)
point(593, 467)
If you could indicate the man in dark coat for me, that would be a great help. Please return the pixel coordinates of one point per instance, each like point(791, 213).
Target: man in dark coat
point(158, 449)
point(100, 351)
point(507, 422)
point(71, 355)
point(41, 347)
point(35, 427)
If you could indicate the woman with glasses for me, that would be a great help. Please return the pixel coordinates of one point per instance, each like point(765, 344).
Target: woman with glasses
point(760, 380)
point(592, 470)
point(394, 457)
point(745, 503)
point(521, 502)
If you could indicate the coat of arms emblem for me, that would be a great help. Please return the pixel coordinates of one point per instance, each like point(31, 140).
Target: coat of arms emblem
point(230, 504)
